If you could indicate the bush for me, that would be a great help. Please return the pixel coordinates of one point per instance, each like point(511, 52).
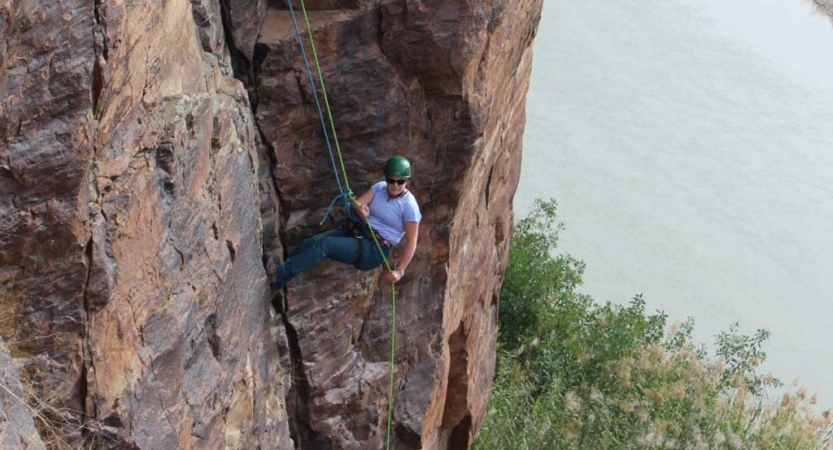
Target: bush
point(573, 374)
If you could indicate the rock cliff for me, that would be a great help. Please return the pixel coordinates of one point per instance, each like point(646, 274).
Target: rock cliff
point(152, 151)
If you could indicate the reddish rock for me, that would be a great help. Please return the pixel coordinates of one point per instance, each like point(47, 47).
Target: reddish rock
point(45, 150)
point(443, 84)
point(244, 20)
point(132, 235)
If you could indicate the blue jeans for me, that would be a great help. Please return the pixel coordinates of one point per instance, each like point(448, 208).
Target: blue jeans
point(339, 245)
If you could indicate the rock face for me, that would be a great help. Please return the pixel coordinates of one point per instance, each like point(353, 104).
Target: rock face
point(131, 245)
point(151, 152)
point(444, 84)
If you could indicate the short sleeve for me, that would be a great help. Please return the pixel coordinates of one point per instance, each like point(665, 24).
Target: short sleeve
point(411, 213)
point(376, 188)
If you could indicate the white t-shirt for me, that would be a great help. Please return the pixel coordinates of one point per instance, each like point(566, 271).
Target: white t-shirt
point(388, 215)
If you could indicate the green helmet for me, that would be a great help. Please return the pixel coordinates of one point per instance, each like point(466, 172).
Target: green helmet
point(398, 166)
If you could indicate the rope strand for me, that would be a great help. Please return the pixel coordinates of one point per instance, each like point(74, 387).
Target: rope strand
point(324, 92)
point(315, 91)
point(345, 194)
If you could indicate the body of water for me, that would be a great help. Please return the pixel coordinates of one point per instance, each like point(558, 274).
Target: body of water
point(689, 144)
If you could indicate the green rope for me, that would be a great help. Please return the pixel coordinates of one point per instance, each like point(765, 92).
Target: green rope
point(392, 357)
point(326, 100)
point(392, 331)
point(372, 234)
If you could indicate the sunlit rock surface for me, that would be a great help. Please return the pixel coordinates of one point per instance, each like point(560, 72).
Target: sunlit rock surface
point(132, 245)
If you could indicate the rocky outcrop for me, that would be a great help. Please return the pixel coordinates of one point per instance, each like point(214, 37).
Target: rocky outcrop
point(144, 147)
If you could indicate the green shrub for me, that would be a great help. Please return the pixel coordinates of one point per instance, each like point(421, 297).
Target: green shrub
point(573, 374)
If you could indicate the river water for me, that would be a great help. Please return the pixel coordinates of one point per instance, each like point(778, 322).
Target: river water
point(689, 144)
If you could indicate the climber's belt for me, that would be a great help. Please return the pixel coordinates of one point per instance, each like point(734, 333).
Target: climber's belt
point(379, 238)
point(361, 231)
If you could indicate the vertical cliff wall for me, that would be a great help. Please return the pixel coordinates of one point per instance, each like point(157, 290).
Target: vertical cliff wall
point(443, 83)
point(152, 151)
point(131, 243)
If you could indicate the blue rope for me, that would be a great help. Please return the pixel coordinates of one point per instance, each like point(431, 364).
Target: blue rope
point(348, 195)
point(326, 214)
point(345, 196)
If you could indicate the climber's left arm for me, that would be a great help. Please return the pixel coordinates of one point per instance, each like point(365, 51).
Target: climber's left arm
point(411, 235)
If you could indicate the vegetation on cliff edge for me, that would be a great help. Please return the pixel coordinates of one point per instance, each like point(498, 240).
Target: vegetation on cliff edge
point(575, 374)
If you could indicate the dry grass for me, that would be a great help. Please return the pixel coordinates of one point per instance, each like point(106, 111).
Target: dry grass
point(55, 427)
point(51, 423)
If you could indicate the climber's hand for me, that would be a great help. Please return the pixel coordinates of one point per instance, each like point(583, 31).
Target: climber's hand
point(363, 211)
point(394, 275)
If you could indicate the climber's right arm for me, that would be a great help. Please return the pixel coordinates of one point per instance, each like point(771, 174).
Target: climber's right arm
point(362, 208)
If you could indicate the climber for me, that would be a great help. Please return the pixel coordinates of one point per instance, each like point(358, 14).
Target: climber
point(392, 211)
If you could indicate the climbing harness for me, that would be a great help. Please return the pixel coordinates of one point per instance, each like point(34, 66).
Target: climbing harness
point(345, 193)
point(358, 230)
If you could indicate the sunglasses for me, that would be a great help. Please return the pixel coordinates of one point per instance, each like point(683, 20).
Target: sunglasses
point(393, 181)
